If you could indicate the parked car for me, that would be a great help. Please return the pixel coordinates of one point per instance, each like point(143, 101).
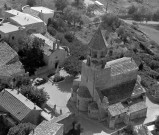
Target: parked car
point(39, 81)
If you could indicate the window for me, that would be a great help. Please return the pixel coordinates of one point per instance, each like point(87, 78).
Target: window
point(12, 37)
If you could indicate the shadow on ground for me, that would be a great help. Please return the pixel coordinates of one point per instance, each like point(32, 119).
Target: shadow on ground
point(65, 86)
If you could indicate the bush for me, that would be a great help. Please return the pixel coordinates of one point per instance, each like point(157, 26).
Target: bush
point(37, 96)
point(31, 2)
point(58, 78)
point(69, 37)
point(21, 129)
point(51, 30)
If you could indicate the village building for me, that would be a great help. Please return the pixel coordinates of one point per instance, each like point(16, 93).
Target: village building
point(42, 12)
point(30, 23)
point(18, 109)
point(109, 90)
point(11, 69)
point(12, 34)
point(54, 126)
point(54, 54)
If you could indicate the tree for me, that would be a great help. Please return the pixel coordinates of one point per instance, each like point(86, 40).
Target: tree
point(72, 16)
point(37, 96)
point(157, 123)
point(129, 130)
point(31, 55)
point(61, 4)
point(110, 21)
point(91, 8)
point(78, 52)
point(132, 9)
point(156, 15)
point(21, 129)
point(31, 2)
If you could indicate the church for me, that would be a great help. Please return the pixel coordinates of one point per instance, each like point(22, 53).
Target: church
point(109, 90)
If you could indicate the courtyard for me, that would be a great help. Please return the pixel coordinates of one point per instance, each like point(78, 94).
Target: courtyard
point(60, 94)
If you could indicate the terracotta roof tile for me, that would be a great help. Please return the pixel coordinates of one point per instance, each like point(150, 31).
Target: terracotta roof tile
point(13, 105)
point(6, 53)
point(30, 11)
point(11, 69)
point(47, 128)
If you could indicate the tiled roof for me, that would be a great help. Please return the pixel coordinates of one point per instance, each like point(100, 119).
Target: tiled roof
point(6, 53)
point(119, 108)
point(137, 107)
point(47, 128)
point(11, 69)
point(8, 27)
point(26, 19)
point(122, 66)
point(118, 92)
point(61, 117)
point(116, 109)
point(43, 9)
point(13, 105)
point(98, 41)
point(14, 12)
point(30, 11)
point(48, 43)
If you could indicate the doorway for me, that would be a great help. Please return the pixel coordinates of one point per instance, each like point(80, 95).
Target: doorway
point(56, 64)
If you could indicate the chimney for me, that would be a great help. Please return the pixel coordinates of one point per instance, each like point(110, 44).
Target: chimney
point(18, 91)
point(58, 42)
point(34, 107)
point(54, 44)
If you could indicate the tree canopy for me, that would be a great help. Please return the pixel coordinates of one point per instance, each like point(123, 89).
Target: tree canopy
point(31, 2)
point(31, 55)
point(37, 96)
point(21, 129)
point(111, 21)
point(61, 4)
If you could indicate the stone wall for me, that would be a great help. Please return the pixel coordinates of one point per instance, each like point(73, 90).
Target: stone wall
point(82, 103)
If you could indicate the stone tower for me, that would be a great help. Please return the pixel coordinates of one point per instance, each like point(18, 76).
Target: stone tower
point(96, 60)
point(98, 50)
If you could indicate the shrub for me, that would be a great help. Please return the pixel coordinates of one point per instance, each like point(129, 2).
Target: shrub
point(51, 30)
point(37, 96)
point(69, 37)
point(31, 2)
point(22, 128)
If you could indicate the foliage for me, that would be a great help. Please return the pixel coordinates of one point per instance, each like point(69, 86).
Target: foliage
point(23, 81)
point(31, 55)
point(110, 20)
point(72, 66)
point(69, 37)
point(61, 4)
point(21, 129)
point(72, 16)
point(76, 129)
point(157, 123)
point(58, 78)
point(51, 30)
point(37, 96)
point(91, 8)
point(132, 9)
point(129, 130)
point(31, 2)
point(78, 52)
point(156, 16)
